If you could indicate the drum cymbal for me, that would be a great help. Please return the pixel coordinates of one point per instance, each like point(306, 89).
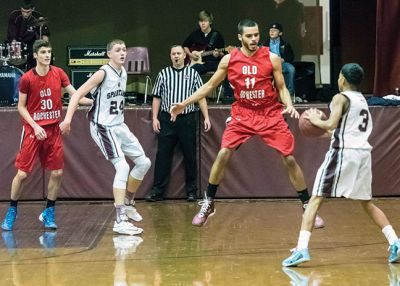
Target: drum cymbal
point(38, 21)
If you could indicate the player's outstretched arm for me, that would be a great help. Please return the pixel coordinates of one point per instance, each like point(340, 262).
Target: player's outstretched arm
point(204, 90)
point(86, 101)
point(83, 101)
point(338, 107)
point(279, 81)
point(94, 81)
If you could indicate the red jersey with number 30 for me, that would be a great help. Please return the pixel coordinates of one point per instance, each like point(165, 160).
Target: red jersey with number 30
point(44, 94)
point(252, 78)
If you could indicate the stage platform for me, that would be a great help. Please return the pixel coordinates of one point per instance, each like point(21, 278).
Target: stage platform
point(255, 171)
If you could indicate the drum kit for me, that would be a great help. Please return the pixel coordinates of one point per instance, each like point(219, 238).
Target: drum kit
point(13, 59)
point(11, 55)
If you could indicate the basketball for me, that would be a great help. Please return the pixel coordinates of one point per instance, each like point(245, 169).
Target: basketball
point(307, 128)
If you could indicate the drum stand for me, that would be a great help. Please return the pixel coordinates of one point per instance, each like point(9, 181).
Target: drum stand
point(4, 59)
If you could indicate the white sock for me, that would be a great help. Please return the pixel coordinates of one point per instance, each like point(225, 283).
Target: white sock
point(120, 210)
point(389, 233)
point(304, 238)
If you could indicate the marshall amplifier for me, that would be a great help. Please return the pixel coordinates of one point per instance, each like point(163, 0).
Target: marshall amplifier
point(80, 76)
point(81, 56)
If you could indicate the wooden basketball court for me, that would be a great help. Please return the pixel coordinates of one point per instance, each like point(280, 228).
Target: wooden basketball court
point(243, 244)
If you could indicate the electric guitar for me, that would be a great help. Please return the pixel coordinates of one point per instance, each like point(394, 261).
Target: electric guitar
point(203, 53)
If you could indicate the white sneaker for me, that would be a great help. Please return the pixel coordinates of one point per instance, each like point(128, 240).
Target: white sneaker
point(132, 213)
point(125, 245)
point(125, 227)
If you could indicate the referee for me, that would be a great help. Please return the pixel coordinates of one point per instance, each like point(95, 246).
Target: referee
point(174, 84)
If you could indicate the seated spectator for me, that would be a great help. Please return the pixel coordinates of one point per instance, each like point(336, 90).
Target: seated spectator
point(283, 49)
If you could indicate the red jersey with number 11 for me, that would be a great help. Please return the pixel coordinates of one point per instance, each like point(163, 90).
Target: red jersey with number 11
point(44, 94)
point(251, 78)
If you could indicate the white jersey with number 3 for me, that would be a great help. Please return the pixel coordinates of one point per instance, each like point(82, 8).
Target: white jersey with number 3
point(346, 170)
point(109, 98)
point(355, 126)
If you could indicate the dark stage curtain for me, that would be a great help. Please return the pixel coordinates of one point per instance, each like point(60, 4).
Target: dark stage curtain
point(387, 65)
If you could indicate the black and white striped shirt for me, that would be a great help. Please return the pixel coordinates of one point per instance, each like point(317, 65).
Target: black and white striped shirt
point(175, 85)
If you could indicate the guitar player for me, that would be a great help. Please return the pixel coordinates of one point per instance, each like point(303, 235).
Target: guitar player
point(202, 41)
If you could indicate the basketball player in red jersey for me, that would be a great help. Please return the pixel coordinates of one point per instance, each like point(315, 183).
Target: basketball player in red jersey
point(40, 107)
point(259, 87)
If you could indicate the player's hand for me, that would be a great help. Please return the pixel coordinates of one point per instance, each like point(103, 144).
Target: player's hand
point(313, 114)
point(40, 134)
point(156, 125)
point(291, 111)
point(207, 124)
point(176, 109)
point(65, 127)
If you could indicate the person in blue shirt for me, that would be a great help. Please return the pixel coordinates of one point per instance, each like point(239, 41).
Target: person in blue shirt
point(283, 49)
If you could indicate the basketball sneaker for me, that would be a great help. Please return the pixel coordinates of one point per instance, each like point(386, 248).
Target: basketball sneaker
point(122, 225)
point(394, 251)
point(297, 257)
point(207, 209)
point(125, 227)
point(132, 213)
point(295, 277)
point(9, 219)
point(47, 217)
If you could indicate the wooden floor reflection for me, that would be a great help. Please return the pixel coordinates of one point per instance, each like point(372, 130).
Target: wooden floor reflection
point(243, 244)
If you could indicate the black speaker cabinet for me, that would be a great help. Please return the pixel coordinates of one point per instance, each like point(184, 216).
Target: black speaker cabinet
point(80, 76)
point(304, 81)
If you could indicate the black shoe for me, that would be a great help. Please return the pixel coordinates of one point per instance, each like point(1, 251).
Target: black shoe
point(191, 197)
point(154, 198)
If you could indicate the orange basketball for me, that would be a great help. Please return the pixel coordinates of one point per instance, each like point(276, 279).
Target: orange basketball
point(307, 128)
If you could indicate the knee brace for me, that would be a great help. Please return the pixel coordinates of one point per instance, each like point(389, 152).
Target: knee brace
point(142, 165)
point(121, 173)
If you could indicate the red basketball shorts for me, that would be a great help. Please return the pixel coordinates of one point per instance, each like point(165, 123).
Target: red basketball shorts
point(268, 123)
point(50, 150)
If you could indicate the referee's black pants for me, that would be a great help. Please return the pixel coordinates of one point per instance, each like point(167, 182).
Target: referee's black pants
point(182, 131)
